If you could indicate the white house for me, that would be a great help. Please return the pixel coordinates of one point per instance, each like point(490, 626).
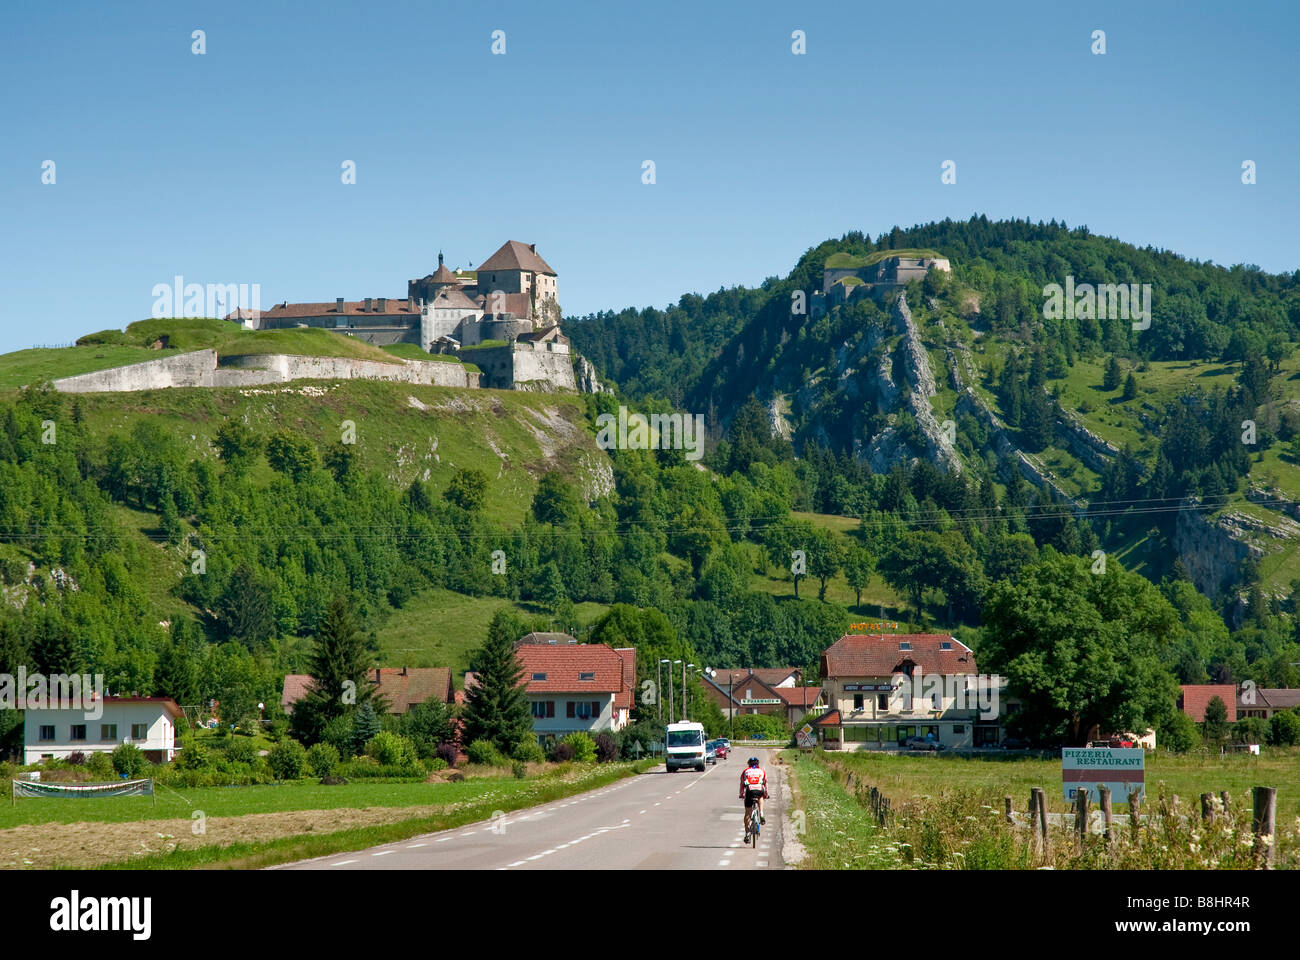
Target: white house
point(581, 686)
point(147, 722)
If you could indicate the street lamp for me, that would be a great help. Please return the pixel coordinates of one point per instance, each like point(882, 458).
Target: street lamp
point(684, 666)
point(671, 710)
point(660, 696)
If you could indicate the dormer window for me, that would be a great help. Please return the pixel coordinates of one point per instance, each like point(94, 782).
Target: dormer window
point(586, 676)
point(539, 676)
point(945, 645)
point(905, 645)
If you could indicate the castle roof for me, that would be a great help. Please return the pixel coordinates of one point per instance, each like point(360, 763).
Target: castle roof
point(453, 298)
point(519, 304)
point(350, 308)
point(514, 255)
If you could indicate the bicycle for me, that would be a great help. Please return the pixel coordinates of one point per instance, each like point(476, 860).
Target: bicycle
point(753, 825)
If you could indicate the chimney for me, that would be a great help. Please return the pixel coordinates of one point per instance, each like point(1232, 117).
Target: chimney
point(532, 247)
point(378, 678)
point(339, 305)
point(383, 304)
point(403, 671)
point(367, 304)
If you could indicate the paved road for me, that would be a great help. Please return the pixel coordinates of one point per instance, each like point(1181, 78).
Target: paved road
point(658, 820)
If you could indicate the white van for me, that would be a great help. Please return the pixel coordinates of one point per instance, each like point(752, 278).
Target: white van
point(685, 746)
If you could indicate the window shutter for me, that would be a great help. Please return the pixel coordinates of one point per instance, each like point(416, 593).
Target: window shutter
point(595, 708)
point(570, 714)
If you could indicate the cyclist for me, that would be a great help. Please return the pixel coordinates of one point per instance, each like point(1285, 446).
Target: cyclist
point(753, 790)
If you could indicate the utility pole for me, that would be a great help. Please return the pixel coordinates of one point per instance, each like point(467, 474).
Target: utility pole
point(684, 666)
point(672, 711)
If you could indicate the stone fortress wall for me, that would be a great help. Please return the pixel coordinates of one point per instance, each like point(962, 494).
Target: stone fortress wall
point(200, 368)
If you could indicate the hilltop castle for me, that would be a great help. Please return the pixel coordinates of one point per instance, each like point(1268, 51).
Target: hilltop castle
point(510, 302)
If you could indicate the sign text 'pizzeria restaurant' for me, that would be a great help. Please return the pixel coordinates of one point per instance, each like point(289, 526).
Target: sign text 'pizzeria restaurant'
point(1121, 769)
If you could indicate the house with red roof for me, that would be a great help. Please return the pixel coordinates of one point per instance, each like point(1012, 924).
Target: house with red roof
point(871, 684)
point(1195, 697)
point(584, 687)
point(770, 690)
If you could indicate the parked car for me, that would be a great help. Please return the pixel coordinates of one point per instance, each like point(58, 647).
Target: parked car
point(720, 749)
point(1015, 743)
point(921, 743)
point(710, 753)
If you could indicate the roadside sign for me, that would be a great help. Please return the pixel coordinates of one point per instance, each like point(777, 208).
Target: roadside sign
point(806, 737)
point(755, 701)
point(1121, 769)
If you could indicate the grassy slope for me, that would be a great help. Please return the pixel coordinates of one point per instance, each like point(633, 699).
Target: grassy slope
point(847, 261)
point(36, 366)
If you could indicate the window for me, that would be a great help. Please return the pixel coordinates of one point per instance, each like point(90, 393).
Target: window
point(539, 676)
point(958, 729)
point(882, 701)
point(77, 732)
point(889, 734)
point(139, 731)
point(857, 701)
point(47, 733)
point(542, 709)
point(905, 645)
point(945, 645)
point(586, 676)
point(108, 731)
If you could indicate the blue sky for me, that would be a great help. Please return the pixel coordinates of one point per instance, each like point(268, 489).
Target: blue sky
point(225, 167)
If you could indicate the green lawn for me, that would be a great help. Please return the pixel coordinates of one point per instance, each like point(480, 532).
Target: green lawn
point(1188, 776)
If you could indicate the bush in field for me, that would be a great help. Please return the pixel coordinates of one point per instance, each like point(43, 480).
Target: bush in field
point(436, 764)
point(1284, 728)
point(100, 765)
point(391, 749)
point(287, 759)
point(322, 758)
point(529, 751)
point(1178, 733)
point(128, 760)
point(448, 753)
point(584, 748)
point(561, 752)
point(485, 752)
point(1251, 730)
point(76, 758)
point(519, 769)
point(338, 733)
point(241, 750)
point(606, 748)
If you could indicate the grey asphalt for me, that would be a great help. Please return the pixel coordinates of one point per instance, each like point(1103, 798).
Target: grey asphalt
point(657, 821)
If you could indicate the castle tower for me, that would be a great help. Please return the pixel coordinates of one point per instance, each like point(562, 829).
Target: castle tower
point(427, 288)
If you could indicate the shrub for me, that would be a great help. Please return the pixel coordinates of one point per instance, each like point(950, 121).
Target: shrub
point(519, 769)
point(391, 749)
point(528, 750)
point(76, 758)
point(448, 753)
point(241, 750)
point(322, 758)
point(485, 752)
point(287, 759)
point(338, 733)
point(1178, 733)
point(1251, 730)
point(771, 727)
point(436, 764)
point(584, 748)
point(1284, 728)
point(562, 752)
point(606, 748)
point(100, 765)
point(128, 760)
point(193, 755)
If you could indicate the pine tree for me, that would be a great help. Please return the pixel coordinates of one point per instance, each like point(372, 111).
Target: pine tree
point(1130, 387)
point(339, 669)
point(1111, 379)
point(176, 675)
point(365, 727)
point(495, 707)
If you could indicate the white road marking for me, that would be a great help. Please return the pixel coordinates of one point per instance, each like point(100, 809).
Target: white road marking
point(724, 863)
point(414, 845)
point(762, 863)
point(642, 812)
point(341, 862)
point(381, 853)
point(444, 839)
point(517, 863)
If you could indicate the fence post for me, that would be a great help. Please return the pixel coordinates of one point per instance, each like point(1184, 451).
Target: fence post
point(1039, 808)
point(1081, 798)
point(1225, 798)
point(1134, 814)
point(1006, 803)
point(1105, 809)
point(1207, 808)
point(1265, 825)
